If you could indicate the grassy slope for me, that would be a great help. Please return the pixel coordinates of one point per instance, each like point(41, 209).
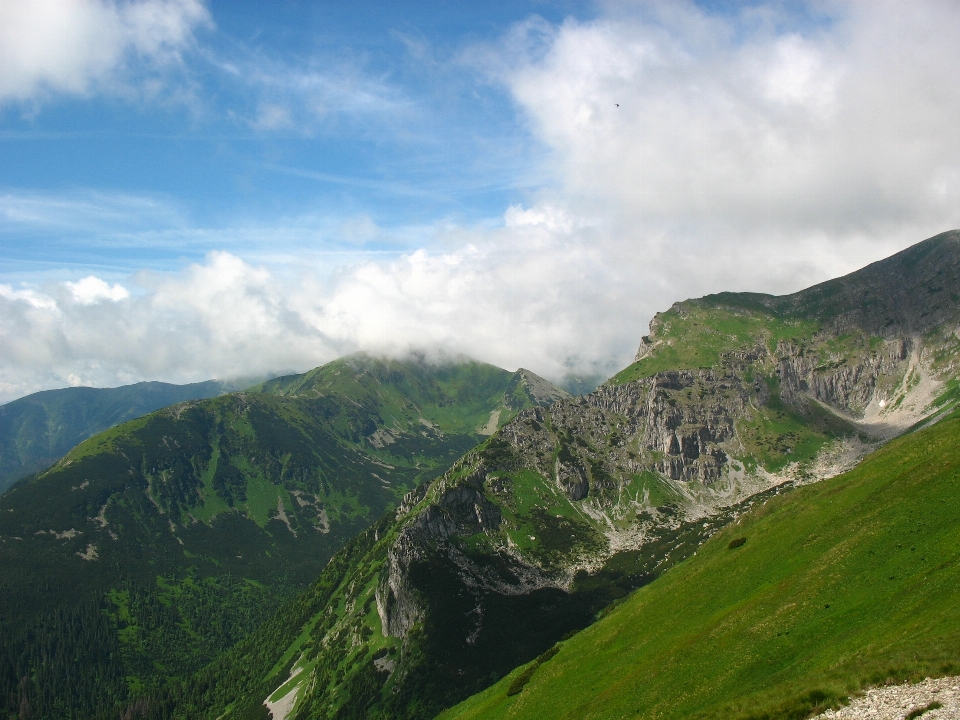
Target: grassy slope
point(839, 584)
point(459, 398)
point(696, 333)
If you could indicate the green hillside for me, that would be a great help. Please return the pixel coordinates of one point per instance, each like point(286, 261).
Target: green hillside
point(155, 546)
point(838, 585)
point(39, 429)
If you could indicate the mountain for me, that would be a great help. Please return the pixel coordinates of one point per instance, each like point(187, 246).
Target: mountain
point(39, 429)
point(733, 398)
point(154, 546)
point(844, 584)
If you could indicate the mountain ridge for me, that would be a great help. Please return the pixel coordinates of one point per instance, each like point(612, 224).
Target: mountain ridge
point(187, 527)
point(39, 429)
point(574, 505)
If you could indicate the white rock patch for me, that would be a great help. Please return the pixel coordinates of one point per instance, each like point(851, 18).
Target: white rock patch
point(895, 702)
point(492, 423)
point(90, 553)
point(281, 708)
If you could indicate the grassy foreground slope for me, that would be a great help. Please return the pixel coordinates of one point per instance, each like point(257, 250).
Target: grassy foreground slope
point(840, 584)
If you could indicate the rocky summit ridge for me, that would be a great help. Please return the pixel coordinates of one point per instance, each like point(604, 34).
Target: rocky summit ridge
point(567, 507)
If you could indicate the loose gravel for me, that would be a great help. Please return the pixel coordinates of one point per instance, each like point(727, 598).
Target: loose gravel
point(898, 702)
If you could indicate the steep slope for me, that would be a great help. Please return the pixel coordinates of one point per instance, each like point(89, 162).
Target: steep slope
point(39, 429)
point(850, 582)
point(569, 507)
point(156, 545)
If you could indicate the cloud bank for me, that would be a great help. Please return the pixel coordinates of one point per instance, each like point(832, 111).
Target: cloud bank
point(689, 153)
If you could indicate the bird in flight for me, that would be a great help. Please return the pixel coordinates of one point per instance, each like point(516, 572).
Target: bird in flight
point(617, 104)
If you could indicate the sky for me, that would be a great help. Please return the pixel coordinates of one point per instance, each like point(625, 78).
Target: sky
point(193, 189)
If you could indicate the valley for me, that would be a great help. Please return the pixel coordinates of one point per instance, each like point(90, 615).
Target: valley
point(164, 541)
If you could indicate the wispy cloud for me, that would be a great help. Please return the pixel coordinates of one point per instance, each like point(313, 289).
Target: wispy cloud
point(89, 212)
point(307, 96)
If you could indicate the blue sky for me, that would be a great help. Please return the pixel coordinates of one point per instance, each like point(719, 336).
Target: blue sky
point(409, 132)
point(194, 189)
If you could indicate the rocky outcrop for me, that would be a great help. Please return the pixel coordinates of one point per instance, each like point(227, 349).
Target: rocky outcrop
point(461, 509)
point(846, 382)
point(539, 391)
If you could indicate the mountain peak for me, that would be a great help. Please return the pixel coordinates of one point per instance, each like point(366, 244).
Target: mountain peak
point(540, 390)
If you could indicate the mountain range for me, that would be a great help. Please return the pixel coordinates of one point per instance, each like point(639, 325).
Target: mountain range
point(152, 547)
point(39, 429)
point(389, 539)
point(733, 398)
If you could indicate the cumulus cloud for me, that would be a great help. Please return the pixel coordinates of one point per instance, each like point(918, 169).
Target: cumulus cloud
point(92, 290)
point(720, 138)
point(74, 46)
point(510, 301)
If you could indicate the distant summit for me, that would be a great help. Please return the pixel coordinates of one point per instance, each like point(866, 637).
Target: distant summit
point(39, 429)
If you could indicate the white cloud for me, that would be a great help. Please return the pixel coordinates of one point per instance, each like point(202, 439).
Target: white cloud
point(30, 297)
point(726, 127)
point(74, 46)
point(92, 290)
point(518, 300)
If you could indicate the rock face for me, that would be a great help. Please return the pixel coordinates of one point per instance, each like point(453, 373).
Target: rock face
point(539, 391)
point(576, 501)
point(847, 384)
point(461, 510)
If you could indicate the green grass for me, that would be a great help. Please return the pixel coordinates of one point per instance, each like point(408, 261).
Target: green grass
point(699, 332)
point(777, 435)
point(211, 504)
point(262, 498)
point(456, 397)
point(839, 585)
